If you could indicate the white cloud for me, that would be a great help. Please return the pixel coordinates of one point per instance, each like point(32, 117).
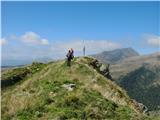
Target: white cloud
point(31, 46)
point(92, 46)
point(3, 41)
point(32, 38)
point(44, 42)
point(101, 45)
point(153, 40)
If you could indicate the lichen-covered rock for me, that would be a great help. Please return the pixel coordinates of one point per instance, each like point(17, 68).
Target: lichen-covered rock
point(69, 87)
point(101, 68)
point(140, 106)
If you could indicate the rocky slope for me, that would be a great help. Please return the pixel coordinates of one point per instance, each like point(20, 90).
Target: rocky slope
point(139, 76)
point(60, 92)
point(143, 84)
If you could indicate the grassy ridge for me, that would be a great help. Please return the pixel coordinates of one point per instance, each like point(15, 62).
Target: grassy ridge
point(42, 95)
point(13, 76)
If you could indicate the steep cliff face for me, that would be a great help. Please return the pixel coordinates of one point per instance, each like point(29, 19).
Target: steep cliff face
point(138, 75)
point(60, 92)
point(143, 84)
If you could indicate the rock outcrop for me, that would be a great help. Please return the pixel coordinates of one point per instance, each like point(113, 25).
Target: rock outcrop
point(101, 68)
point(69, 87)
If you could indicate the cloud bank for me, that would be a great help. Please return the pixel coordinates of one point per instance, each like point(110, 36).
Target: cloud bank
point(31, 38)
point(3, 41)
point(92, 46)
point(153, 40)
point(31, 46)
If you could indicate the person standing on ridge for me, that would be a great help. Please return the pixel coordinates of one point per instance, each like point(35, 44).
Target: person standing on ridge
point(84, 48)
point(69, 56)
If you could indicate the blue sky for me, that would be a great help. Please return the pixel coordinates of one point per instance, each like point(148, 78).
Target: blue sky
point(32, 30)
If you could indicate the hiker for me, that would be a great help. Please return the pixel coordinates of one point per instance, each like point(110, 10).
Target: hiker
point(70, 56)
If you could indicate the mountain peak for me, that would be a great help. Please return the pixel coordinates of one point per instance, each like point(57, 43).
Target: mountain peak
point(116, 56)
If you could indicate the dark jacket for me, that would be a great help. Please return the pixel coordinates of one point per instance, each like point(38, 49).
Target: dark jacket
point(70, 55)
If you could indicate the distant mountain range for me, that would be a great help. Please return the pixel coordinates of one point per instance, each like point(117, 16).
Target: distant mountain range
point(138, 74)
point(18, 62)
point(132, 63)
point(115, 56)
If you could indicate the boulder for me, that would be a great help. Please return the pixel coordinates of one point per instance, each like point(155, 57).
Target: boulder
point(69, 87)
point(142, 108)
point(101, 68)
